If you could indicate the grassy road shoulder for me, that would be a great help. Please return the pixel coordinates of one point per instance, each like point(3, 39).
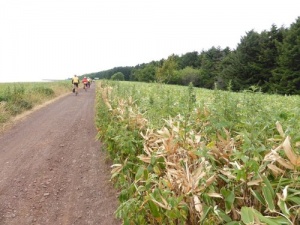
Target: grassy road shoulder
point(19, 99)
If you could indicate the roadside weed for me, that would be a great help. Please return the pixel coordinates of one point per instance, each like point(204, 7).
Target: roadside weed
point(16, 98)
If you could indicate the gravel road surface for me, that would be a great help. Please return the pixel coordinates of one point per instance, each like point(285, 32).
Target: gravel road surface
point(53, 171)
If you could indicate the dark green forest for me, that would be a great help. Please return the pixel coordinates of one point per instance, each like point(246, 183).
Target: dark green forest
point(268, 61)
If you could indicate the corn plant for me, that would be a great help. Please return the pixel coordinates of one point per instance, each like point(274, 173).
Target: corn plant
point(224, 158)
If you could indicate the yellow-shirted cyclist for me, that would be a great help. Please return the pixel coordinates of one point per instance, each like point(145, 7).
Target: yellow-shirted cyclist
point(75, 82)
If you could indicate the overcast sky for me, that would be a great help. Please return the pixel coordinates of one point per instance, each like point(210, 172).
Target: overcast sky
point(55, 39)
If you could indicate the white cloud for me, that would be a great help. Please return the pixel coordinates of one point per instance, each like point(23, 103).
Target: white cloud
point(58, 38)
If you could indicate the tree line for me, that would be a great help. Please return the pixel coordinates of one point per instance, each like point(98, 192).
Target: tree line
point(268, 61)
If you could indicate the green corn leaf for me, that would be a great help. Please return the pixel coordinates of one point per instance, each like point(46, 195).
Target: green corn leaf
point(153, 159)
point(139, 173)
point(294, 199)
point(294, 191)
point(272, 220)
point(126, 221)
point(268, 194)
point(247, 215)
point(156, 170)
point(154, 209)
point(155, 194)
point(223, 215)
point(269, 186)
point(281, 220)
point(205, 212)
point(258, 196)
point(283, 207)
point(123, 196)
point(229, 199)
point(233, 223)
point(250, 215)
point(173, 214)
point(146, 174)
point(269, 198)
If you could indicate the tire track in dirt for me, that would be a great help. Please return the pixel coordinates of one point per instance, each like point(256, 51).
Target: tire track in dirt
point(52, 170)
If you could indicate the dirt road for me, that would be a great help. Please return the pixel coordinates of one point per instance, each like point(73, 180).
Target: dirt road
point(52, 170)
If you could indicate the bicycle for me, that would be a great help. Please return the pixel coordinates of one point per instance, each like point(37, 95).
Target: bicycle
point(85, 86)
point(75, 89)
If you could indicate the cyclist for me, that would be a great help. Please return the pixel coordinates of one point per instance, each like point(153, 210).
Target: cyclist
point(75, 82)
point(85, 83)
point(89, 82)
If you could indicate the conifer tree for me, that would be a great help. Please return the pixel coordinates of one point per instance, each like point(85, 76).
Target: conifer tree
point(286, 77)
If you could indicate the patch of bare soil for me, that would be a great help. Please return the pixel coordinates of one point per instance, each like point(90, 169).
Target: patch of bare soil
point(53, 171)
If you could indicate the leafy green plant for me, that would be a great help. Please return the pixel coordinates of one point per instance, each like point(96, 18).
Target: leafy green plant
point(216, 157)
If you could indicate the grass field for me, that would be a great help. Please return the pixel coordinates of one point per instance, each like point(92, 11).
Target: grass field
point(16, 98)
point(184, 155)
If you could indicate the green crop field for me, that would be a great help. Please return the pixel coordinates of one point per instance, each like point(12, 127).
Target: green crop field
point(16, 98)
point(184, 155)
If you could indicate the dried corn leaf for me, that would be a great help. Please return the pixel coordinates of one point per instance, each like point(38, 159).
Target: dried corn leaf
point(116, 165)
point(187, 172)
point(279, 129)
point(164, 132)
point(210, 180)
point(228, 174)
point(192, 155)
point(215, 195)
point(294, 158)
point(235, 163)
point(116, 168)
point(164, 200)
point(285, 163)
point(168, 163)
point(274, 139)
point(198, 205)
point(198, 174)
point(197, 138)
point(160, 204)
point(271, 156)
point(254, 182)
point(276, 171)
point(145, 159)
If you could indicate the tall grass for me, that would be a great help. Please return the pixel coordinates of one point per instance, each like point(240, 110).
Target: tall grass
point(16, 98)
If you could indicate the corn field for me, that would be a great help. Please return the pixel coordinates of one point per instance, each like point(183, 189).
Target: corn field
point(183, 155)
